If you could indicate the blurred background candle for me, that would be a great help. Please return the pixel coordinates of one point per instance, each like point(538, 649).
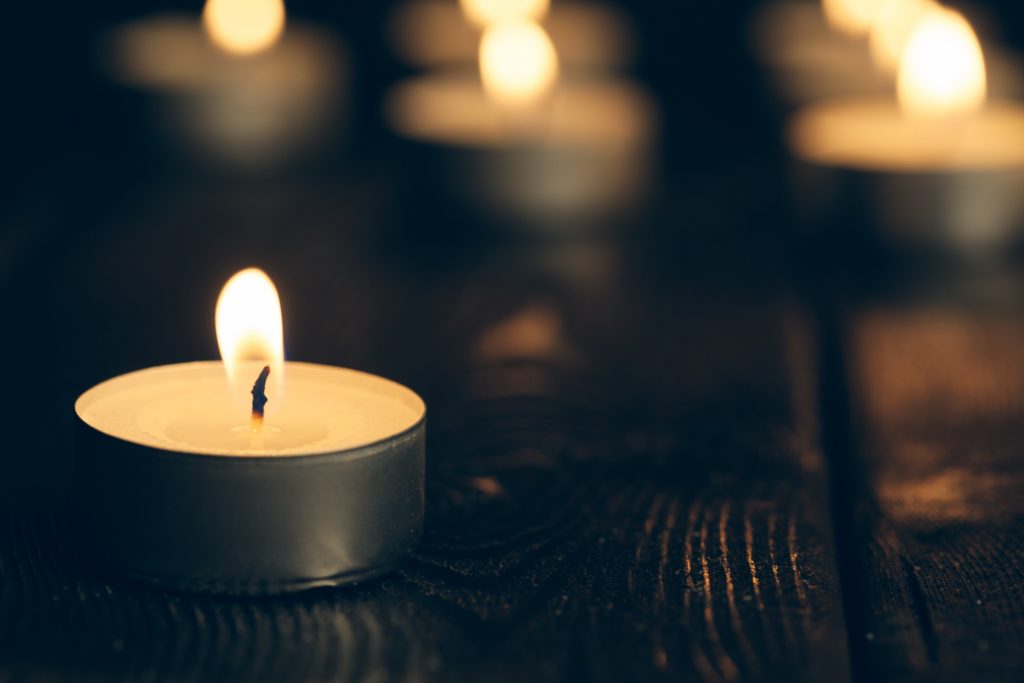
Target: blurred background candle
point(938, 166)
point(244, 87)
point(523, 139)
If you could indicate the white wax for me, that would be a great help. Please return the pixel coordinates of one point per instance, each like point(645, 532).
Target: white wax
point(190, 408)
point(872, 134)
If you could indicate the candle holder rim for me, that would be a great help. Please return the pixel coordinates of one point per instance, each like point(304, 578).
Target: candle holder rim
point(228, 460)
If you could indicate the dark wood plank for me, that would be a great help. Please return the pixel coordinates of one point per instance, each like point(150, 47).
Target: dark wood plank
point(937, 390)
point(625, 481)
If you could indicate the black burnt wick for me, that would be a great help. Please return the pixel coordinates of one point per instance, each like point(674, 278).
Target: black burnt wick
point(259, 392)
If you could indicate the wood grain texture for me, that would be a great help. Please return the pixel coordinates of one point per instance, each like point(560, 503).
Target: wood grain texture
point(624, 478)
point(938, 391)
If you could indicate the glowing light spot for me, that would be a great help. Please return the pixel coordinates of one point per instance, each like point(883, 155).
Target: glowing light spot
point(942, 70)
point(518, 63)
point(244, 27)
point(250, 332)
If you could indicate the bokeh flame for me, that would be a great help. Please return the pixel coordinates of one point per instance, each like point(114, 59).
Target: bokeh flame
point(942, 70)
point(244, 27)
point(518, 63)
point(250, 332)
point(486, 13)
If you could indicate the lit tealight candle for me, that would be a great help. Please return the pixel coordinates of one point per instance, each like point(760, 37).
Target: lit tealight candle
point(245, 86)
point(949, 164)
point(940, 120)
point(206, 476)
point(535, 146)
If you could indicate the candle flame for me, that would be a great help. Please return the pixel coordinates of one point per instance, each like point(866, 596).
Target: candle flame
point(853, 17)
point(484, 13)
point(250, 332)
point(892, 28)
point(942, 70)
point(518, 63)
point(244, 27)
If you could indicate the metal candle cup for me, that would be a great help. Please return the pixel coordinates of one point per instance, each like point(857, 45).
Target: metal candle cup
point(343, 506)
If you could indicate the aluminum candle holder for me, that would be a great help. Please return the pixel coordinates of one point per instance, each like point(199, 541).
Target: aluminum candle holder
point(258, 524)
point(965, 213)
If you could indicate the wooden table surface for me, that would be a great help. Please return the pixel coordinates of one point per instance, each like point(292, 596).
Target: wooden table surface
point(934, 381)
point(648, 459)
